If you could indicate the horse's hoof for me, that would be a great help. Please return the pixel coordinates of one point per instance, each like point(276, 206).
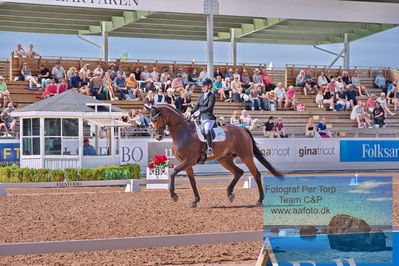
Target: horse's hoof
point(259, 204)
point(193, 205)
point(175, 197)
point(232, 197)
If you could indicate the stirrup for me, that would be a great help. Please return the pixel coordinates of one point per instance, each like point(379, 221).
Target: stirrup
point(209, 152)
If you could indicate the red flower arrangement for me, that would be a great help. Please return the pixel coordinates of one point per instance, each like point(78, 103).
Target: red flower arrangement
point(160, 161)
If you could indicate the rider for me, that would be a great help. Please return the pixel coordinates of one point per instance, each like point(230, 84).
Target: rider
point(204, 109)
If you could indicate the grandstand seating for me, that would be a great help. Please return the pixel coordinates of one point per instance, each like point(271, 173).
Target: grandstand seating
point(294, 121)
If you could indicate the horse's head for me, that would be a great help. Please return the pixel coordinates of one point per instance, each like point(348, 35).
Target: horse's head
point(157, 120)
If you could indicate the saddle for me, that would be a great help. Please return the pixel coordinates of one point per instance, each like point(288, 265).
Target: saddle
point(218, 134)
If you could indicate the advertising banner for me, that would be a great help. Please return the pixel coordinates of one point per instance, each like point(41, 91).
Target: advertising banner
point(369, 150)
point(9, 153)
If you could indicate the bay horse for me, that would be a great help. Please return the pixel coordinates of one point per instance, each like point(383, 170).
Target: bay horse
point(187, 148)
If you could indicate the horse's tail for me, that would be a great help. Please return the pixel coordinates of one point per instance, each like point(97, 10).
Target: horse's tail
point(258, 154)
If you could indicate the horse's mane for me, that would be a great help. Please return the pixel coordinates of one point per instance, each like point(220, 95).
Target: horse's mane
point(173, 110)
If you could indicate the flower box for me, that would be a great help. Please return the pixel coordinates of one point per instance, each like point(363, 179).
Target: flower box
point(158, 173)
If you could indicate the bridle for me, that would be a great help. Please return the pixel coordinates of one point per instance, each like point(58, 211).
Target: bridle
point(154, 119)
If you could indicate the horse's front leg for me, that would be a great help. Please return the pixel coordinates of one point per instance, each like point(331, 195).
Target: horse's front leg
point(181, 167)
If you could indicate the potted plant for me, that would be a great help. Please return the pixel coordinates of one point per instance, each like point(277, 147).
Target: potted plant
point(159, 168)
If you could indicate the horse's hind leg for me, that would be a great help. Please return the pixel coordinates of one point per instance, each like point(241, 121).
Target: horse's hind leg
point(256, 174)
point(237, 173)
point(190, 174)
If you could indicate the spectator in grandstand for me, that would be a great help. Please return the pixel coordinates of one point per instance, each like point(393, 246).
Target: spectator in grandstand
point(85, 69)
point(221, 121)
point(183, 75)
point(120, 87)
point(370, 104)
point(329, 76)
point(63, 86)
point(391, 86)
point(320, 97)
point(322, 81)
point(290, 98)
point(351, 95)
point(145, 78)
point(27, 74)
point(229, 74)
point(177, 83)
point(121, 70)
point(218, 72)
point(246, 81)
point(87, 148)
point(346, 79)
point(96, 87)
point(384, 103)
point(256, 77)
point(237, 72)
point(358, 85)
point(393, 97)
point(300, 80)
point(159, 97)
point(112, 71)
point(322, 129)
point(183, 102)
point(268, 129)
point(154, 74)
point(71, 72)
point(219, 88)
point(165, 77)
point(269, 100)
point(133, 86)
point(203, 74)
point(51, 90)
point(172, 72)
point(379, 115)
point(31, 53)
point(107, 82)
point(236, 88)
point(4, 93)
point(279, 128)
point(84, 83)
point(149, 99)
point(310, 86)
point(19, 51)
point(136, 72)
point(234, 119)
point(254, 98)
point(133, 118)
point(329, 93)
point(98, 70)
point(44, 76)
point(75, 81)
point(58, 72)
point(194, 78)
point(9, 121)
point(247, 121)
point(267, 81)
point(145, 121)
point(380, 81)
point(341, 99)
point(170, 98)
point(360, 116)
point(310, 128)
point(280, 94)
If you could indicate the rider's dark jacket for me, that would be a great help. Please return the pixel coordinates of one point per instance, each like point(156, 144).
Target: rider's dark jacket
point(206, 106)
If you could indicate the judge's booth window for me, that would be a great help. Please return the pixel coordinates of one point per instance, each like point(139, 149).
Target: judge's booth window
point(97, 139)
point(61, 136)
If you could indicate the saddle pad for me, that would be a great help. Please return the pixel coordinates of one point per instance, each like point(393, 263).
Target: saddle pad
point(220, 135)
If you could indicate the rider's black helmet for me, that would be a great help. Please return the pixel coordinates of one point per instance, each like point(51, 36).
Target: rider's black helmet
point(208, 82)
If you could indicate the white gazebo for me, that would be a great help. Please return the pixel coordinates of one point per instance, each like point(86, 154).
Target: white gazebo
point(57, 132)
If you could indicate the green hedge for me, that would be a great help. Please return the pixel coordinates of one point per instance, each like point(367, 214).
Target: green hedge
point(15, 174)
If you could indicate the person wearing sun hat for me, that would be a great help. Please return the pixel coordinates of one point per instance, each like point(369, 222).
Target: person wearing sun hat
point(4, 93)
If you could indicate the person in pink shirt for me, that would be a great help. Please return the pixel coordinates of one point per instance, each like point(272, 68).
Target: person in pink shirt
point(370, 104)
point(51, 89)
point(290, 98)
point(63, 86)
point(177, 83)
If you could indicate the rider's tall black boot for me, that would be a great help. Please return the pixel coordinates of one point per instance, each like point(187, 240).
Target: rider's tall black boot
point(209, 151)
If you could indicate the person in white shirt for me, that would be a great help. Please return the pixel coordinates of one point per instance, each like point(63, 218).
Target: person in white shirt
point(280, 94)
point(31, 53)
point(322, 80)
point(203, 74)
point(154, 74)
point(99, 70)
point(86, 69)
